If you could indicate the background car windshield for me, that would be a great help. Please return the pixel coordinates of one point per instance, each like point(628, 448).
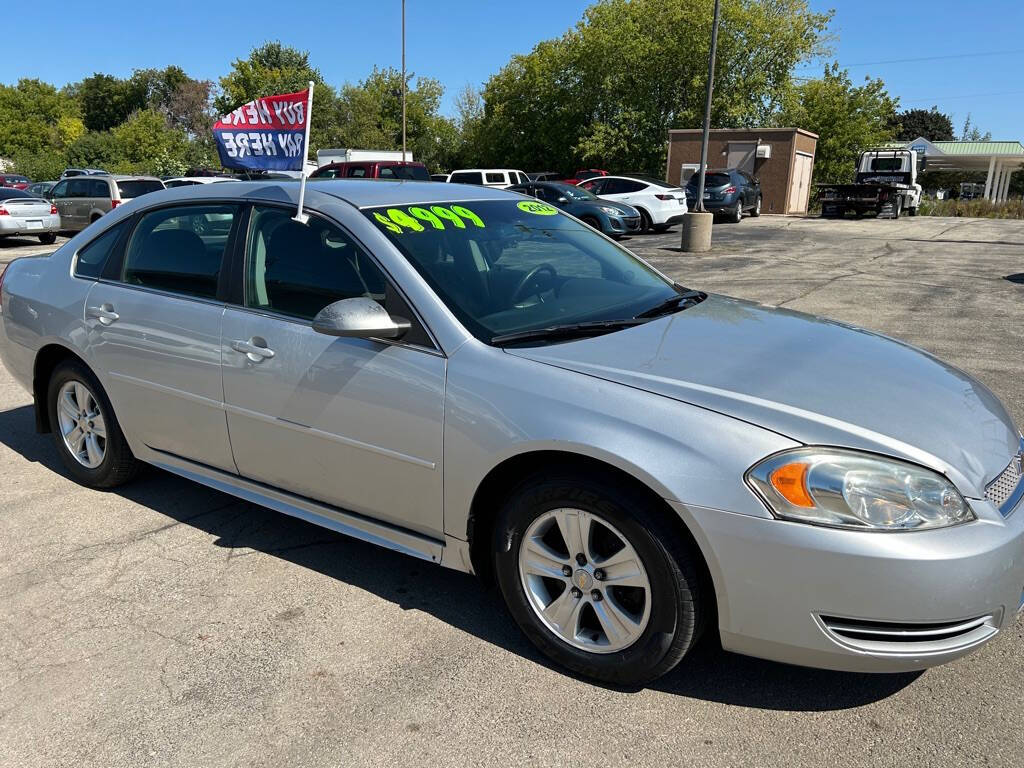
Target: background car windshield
point(576, 193)
point(131, 189)
point(505, 266)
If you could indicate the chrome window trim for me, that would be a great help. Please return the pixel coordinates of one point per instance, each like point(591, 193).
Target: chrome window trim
point(159, 292)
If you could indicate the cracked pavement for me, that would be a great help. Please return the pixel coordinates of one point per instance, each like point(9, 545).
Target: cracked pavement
point(166, 624)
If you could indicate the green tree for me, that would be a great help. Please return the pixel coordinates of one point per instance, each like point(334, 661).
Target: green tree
point(929, 123)
point(29, 115)
point(971, 132)
point(108, 101)
point(274, 68)
point(607, 92)
point(147, 144)
point(847, 118)
point(369, 115)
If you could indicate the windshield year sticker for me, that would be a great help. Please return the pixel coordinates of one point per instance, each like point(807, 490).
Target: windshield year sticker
point(418, 218)
point(540, 209)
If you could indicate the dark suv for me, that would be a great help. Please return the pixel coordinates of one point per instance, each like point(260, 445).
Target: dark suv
point(729, 192)
point(376, 169)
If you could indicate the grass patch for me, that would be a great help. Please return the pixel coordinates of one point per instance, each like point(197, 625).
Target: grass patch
point(980, 209)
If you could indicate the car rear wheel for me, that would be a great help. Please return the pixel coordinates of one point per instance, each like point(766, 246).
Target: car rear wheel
point(757, 208)
point(85, 430)
point(736, 215)
point(48, 239)
point(596, 579)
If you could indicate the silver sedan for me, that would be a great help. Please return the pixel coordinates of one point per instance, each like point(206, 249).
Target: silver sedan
point(480, 380)
point(26, 215)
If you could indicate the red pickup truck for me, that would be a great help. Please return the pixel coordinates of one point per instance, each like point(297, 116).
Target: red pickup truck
point(373, 169)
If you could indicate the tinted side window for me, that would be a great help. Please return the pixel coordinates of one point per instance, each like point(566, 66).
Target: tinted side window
point(93, 257)
point(357, 171)
point(598, 187)
point(386, 172)
point(98, 188)
point(180, 249)
point(298, 269)
point(78, 187)
point(467, 177)
point(625, 186)
point(496, 178)
point(61, 190)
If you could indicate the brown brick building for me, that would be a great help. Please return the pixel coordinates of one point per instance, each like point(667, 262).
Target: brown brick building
point(781, 158)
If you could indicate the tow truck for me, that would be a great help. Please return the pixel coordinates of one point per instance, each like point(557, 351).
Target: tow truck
point(886, 183)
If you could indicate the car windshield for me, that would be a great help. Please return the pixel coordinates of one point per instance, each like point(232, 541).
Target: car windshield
point(576, 193)
point(130, 189)
point(510, 266)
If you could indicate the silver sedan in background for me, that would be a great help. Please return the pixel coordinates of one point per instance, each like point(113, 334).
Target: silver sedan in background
point(483, 381)
point(26, 215)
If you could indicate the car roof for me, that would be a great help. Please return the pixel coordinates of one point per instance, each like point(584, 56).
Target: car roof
point(488, 170)
point(129, 177)
point(361, 193)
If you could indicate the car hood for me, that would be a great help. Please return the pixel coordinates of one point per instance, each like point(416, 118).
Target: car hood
point(626, 210)
point(816, 381)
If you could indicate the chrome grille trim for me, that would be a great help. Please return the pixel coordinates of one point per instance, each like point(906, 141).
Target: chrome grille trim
point(898, 638)
point(1006, 490)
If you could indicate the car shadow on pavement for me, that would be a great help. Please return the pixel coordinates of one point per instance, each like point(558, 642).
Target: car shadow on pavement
point(455, 598)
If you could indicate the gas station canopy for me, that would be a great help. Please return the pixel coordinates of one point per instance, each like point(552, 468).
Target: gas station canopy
point(999, 158)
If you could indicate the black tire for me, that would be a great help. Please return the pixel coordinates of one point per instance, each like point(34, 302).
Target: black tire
point(677, 611)
point(897, 207)
point(661, 228)
point(912, 211)
point(119, 465)
point(48, 239)
point(736, 215)
point(591, 221)
point(645, 222)
point(756, 210)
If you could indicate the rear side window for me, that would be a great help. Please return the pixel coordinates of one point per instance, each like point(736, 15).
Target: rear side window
point(496, 178)
point(413, 172)
point(130, 189)
point(180, 249)
point(467, 177)
point(93, 257)
point(357, 172)
point(298, 269)
point(79, 187)
point(99, 188)
point(386, 172)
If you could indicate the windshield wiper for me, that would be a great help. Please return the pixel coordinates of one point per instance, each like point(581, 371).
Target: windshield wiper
point(671, 303)
point(567, 331)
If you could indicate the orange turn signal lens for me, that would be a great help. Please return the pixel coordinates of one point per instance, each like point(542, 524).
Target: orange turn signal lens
point(790, 480)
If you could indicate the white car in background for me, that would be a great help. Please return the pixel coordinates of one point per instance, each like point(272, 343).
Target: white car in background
point(499, 178)
point(660, 204)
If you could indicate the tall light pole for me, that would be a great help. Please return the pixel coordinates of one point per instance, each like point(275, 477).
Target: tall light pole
point(707, 111)
point(403, 77)
point(696, 234)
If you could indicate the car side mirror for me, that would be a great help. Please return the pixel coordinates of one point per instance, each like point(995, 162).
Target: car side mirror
point(361, 318)
point(563, 200)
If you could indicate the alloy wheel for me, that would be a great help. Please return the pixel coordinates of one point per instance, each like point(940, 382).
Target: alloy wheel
point(82, 424)
point(584, 580)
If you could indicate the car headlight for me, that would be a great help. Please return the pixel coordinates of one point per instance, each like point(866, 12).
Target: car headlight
point(611, 211)
point(846, 489)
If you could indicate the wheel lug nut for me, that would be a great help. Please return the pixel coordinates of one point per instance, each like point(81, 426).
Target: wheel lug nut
point(566, 570)
point(599, 574)
point(576, 593)
point(581, 559)
point(595, 595)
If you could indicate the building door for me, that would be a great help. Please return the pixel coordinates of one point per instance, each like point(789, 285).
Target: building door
point(741, 155)
point(800, 184)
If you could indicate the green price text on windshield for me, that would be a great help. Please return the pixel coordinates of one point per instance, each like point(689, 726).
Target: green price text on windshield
point(418, 218)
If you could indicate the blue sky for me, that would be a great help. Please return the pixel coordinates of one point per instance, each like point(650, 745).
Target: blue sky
point(464, 42)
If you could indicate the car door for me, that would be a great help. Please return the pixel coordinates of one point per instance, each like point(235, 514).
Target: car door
point(352, 423)
point(79, 189)
point(155, 332)
point(59, 196)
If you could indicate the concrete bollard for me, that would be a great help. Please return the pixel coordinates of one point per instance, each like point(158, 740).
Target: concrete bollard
point(697, 232)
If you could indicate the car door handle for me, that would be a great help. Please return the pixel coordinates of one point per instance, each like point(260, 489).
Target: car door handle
point(256, 352)
point(105, 314)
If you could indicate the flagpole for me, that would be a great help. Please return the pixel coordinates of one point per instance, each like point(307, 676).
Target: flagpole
point(299, 216)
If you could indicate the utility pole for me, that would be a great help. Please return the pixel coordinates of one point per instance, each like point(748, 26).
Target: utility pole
point(696, 235)
point(403, 78)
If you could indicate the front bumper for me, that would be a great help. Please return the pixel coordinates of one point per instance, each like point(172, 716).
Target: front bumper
point(861, 601)
point(622, 225)
point(16, 225)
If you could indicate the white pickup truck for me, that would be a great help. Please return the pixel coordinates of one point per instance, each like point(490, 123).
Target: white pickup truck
point(886, 183)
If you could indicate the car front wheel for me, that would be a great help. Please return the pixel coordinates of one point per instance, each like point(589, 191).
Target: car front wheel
point(597, 579)
point(85, 430)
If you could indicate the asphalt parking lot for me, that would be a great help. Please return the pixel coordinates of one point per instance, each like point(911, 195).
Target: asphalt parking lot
point(167, 624)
